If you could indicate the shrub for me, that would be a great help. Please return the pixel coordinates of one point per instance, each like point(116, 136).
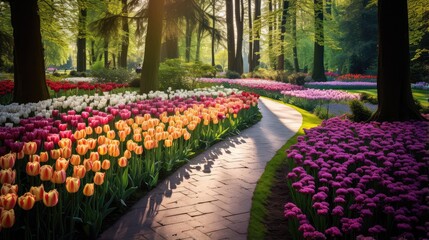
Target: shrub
point(360, 113)
point(232, 75)
point(219, 68)
point(368, 98)
point(135, 83)
point(119, 75)
point(297, 78)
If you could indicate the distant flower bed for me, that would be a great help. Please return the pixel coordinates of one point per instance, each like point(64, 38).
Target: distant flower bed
point(255, 83)
point(356, 77)
point(357, 180)
point(341, 85)
point(420, 85)
point(317, 94)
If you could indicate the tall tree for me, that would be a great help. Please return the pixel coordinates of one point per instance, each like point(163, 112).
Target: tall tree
point(257, 34)
point(29, 65)
point(190, 25)
point(125, 42)
point(319, 49)
point(294, 38)
point(239, 20)
point(149, 77)
point(213, 32)
point(230, 34)
point(81, 38)
point(250, 55)
point(395, 101)
point(281, 56)
point(271, 20)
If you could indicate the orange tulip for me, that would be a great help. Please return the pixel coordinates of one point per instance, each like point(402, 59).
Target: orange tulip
point(158, 136)
point(149, 144)
point(72, 184)
point(38, 192)
point(111, 134)
point(122, 135)
point(138, 150)
point(122, 162)
point(7, 218)
point(168, 143)
point(50, 199)
point(8, 160)
point(61, 164)
point(55, 153)
point(35, 158)
point(9, 188)
point(44, 157)
point(146, 116)
point(106, 128)
point(7, 176)
point(186, 136)
point(105, 165)
point(129, 121)
point(191, 126)
point(75, 159)
point(30, 148)
point(27, 201)
point(8, 201)
point(127, 130)
point(92, 143)
point(99, 178)
point(96, 166)
point(59, 176)
point(137, 137)
point(127, 154)
point(79, 134)
point(151, 132)
point(94, 156)
point(32, 168)
point(46, 172)
point(113, 150)
point(82, 149)
point(88, 130)
point(102, 149)
point(79, 171)
point(65, 142)
point(98, 130)
point(88, 164)
point(131, 145)
point(20, 155)
point(66, 152)
point(88, 190)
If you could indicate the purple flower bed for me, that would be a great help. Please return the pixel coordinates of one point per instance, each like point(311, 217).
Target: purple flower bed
point(255, 83)
point(316, 94)
point(357, 180)
point(342, 85)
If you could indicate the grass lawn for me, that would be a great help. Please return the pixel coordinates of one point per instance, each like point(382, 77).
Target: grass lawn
point(421, 95)
point(258, 211)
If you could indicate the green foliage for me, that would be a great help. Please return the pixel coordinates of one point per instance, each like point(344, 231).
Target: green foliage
point(74, 73)
point(360, 113)
point(297, 78)
point(232, 75)
point(366, 97)
point(119, 75)
point(178, 74)
point(419, 72)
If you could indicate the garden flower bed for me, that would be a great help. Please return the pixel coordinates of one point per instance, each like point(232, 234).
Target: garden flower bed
point(360, 181)
point(64, 173)
point(341, 85)
point(255, 84)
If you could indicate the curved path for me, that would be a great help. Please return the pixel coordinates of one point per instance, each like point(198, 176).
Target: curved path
point(211, 196)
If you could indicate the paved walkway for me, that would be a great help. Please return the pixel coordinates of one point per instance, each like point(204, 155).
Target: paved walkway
point(211, 196)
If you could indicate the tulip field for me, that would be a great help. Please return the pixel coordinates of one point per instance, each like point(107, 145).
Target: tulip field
point(67, 162)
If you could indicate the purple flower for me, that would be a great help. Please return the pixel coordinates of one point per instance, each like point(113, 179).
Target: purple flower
point(333, 232)
point(376, 229)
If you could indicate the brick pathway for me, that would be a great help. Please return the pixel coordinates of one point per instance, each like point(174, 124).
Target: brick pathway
point(210, 197)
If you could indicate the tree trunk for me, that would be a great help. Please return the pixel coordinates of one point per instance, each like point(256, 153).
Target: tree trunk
point(319, 49)
point(395, 100)
point(125, 37)
point(93, 56)
point(271, 21)
point(114, 60)
point(250, 55)
point(188, 38)
point(230, 34)
point(281, 57)
point(239, 17)
point(81, 41)
point(106, 53)
point(213, 32)
point(256, 44)
point(29, 64)
point(199, 37)
point(295, 48)
point(150, 69)
point(172, 47)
